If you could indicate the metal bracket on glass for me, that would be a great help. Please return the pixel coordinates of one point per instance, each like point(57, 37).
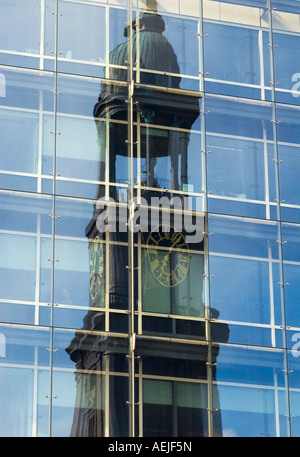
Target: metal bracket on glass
point(213, 410)
point(211, 364)
point(53, 350)
point(205, 152)
point(128, 142)
point(277, 161)
point(51, 260)
point(135, 102)
point(51, 215)
point(272, 120)
point(281, 242)
point(283, 284)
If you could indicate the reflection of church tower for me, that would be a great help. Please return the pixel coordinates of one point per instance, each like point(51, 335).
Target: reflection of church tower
point(155, 106)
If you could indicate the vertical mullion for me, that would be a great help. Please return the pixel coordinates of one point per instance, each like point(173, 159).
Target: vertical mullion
point(266, 171)
point(140, 381)
point(37, 270)
point(53, 218)
point(261, 64)
point(42, 35)
point(40, 143)
point(278, 207)
point(271, 292)
point(131, 348)
point(206, 280)
point(106, 400)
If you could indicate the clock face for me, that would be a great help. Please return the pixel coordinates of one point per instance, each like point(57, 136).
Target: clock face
point(168, 255)
point(96, 267)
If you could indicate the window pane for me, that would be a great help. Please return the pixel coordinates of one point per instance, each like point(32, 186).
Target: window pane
point(251, 391)
point(75, 55)
point(245, 281)
point(88, 401)
point(288, 145)
point(166, 50)
point(25, 239)
point(291, 266)
point(21, 32)
point(238, 134)
point(25, 381)
point(233, 51)
point(174, 408)
point(27, 124)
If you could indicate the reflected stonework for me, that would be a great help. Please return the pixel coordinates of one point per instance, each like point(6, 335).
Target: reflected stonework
point(173, 272)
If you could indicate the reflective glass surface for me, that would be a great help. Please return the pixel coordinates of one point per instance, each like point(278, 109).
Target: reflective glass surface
point(27, 130)
point(245, 278)
point(288, 143)
point(249, 394)
point(90, 385)
point(25, 381)
point(26, 247)
point(238, 134)
point(234, 52)
point(21, 35)
point(149, 218)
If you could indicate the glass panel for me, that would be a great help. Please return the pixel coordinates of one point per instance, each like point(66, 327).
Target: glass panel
point(75, 55)
point(25, 230)
point(170, 159)
point(288, 146)
point(238, 132)
point(90, 268)
point(80, 265)
point(169, 143)
point(233, 52)
point(171, 264)
point(186, 367)
point(165, 48)
point(79, 157)
point(103, 25)
point(20, 37)
point(291, 266)
point(93, 402)
point(244, 277)
point(91, 145)
point(25, 381)
point(285, 23)
point(293, 376)
point(173, 408)
point(27, 131)
point(172, 283)
point(249, 391)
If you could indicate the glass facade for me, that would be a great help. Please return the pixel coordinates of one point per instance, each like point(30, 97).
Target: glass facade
point(150, 208)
